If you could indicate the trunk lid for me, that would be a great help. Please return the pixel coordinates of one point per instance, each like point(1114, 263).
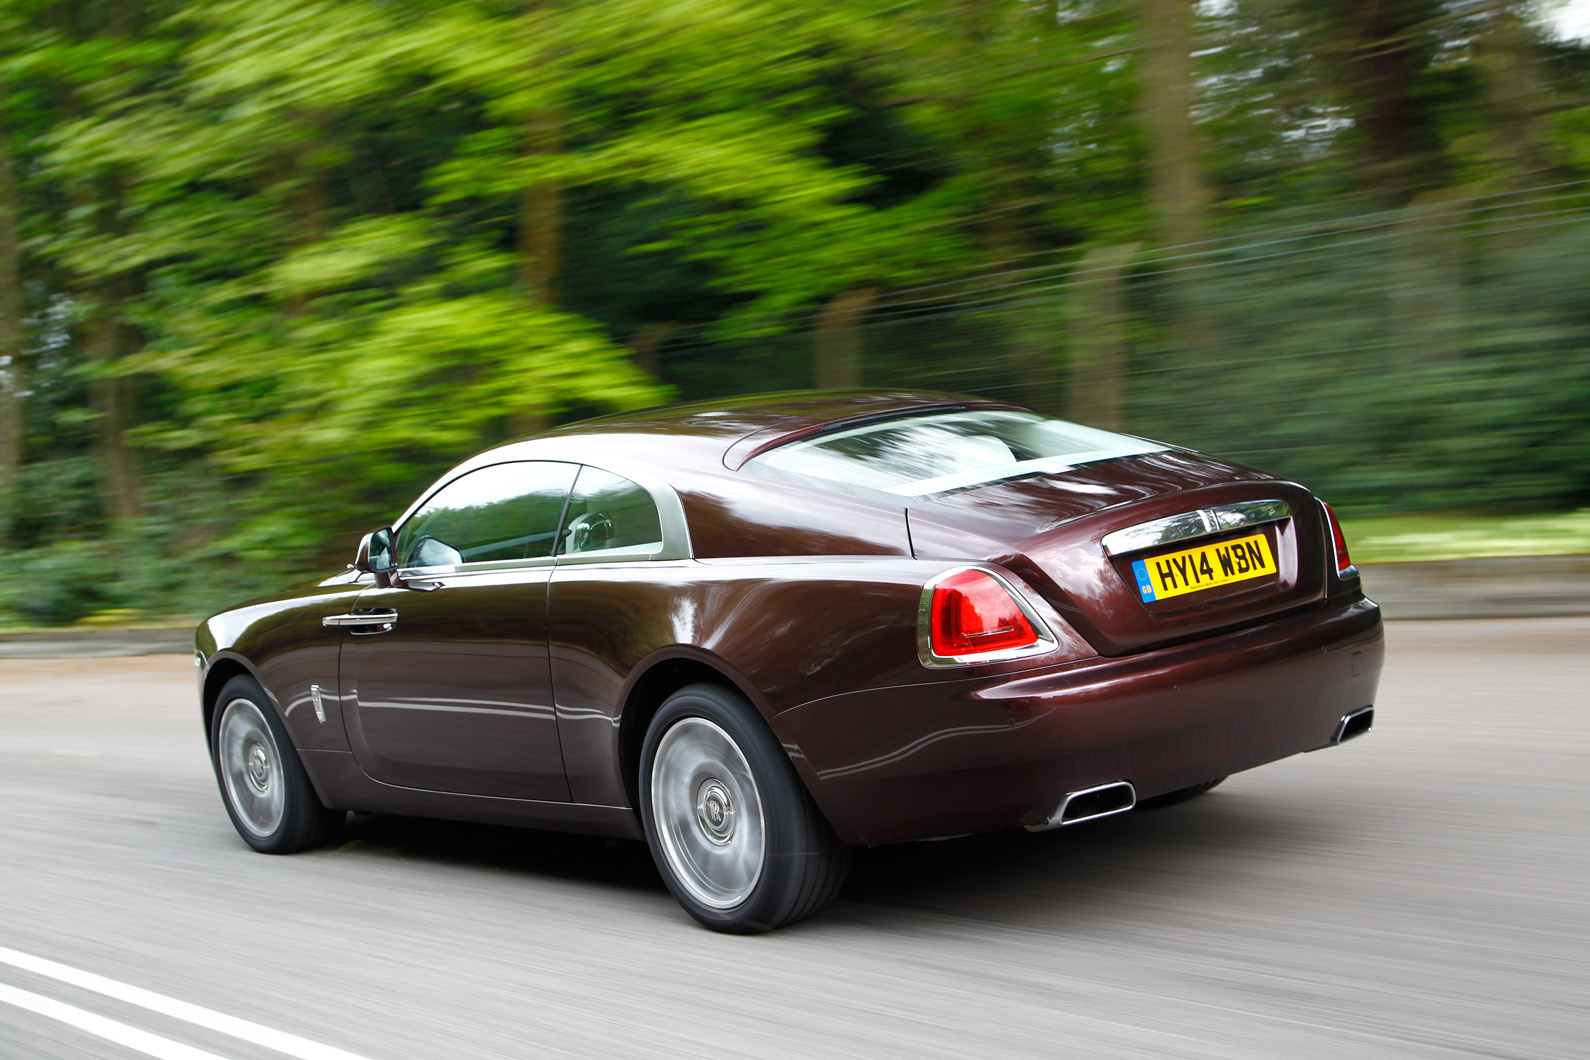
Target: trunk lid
point(1051, 531)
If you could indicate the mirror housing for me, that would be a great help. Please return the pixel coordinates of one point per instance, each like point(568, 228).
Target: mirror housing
point(375, 552)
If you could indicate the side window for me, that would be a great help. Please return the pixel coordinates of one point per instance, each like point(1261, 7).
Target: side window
point(501, 512)
point(609, 512)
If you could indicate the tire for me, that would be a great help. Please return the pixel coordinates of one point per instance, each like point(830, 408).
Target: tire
point(1171, 798)
point(733, 831)
point(263, 785)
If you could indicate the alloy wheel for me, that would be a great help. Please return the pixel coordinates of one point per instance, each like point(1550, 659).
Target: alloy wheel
point(251, 768)
point(709, 813)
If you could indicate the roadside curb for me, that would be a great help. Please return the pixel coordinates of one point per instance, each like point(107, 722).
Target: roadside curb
point(1513, 587)
point(95, 643)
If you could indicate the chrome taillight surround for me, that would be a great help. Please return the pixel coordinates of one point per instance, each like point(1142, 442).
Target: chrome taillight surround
point(1046, 641)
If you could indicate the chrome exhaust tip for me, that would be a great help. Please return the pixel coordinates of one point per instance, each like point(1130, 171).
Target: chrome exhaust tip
point(1090, 804)
point(1357, 723)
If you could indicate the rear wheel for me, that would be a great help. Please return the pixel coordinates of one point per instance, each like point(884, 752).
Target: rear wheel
point(736, 837)
point(1171, 798)
point(263, 784)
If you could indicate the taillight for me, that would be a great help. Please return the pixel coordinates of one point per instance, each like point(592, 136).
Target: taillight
point(972, 613)
point(1344, 562)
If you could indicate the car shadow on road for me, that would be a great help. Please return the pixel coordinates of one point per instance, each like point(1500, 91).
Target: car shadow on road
point(1215, 844)
point(550, 855)
point(1102, 869)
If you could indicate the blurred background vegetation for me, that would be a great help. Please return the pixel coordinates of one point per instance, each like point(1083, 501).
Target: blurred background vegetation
point(267, 267)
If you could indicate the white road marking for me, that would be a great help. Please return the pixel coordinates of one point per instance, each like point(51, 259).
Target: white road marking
point(287, 1044)
point(110, 1030)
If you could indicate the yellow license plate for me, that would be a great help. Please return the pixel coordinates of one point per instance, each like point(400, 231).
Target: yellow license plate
point(1204, 567)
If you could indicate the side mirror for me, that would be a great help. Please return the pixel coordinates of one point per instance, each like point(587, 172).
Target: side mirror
point(375, 552)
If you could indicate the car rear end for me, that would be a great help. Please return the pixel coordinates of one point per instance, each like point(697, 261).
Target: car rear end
point(1168, 618)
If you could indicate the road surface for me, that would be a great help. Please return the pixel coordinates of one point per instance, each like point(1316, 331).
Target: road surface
point(1421, 892)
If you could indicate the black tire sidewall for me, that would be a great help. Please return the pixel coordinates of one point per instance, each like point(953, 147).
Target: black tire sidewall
point(304, 819)
point(786, 824)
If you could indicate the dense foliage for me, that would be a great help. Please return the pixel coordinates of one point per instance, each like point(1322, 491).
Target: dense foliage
point(266, 266)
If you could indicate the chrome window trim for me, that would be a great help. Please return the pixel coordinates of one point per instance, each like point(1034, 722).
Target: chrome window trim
point(625, 554)
point(670, 516)
point(447, 480)
point(1185, 526)
point(643, 560)
point(465, 570)
point(1046, 642)
point(572, 560)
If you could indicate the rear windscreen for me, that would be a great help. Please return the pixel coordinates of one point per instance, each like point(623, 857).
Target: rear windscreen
point(931, 454)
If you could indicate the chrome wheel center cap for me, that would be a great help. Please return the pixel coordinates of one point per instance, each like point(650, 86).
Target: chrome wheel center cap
point(715, 812)
point(259, 766)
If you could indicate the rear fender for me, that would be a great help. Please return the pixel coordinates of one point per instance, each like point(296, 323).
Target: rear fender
point(784, 632)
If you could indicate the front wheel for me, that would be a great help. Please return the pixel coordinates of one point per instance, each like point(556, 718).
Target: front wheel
point(263, 784)
point(736, 837)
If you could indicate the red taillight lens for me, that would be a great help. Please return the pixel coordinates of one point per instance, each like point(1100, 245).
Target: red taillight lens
point(1344, 562)
point(973, 613)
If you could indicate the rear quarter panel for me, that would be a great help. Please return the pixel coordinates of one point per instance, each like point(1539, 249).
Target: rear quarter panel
point(785, 631)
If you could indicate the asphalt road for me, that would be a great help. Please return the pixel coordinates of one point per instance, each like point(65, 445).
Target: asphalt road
point(1421, 892)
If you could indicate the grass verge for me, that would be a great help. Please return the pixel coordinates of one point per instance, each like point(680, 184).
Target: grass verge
point(1416, 538)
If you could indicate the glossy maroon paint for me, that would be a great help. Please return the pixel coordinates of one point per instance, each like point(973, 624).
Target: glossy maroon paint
point(458, 695)
point(773, 518)
point(522, 696)
point(281, 642)
point(974, 754)
point(1048, 530)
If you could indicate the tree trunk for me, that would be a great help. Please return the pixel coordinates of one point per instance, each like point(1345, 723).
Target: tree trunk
point(1385, 64)
point(1176, 192)
point(540, 232)
point(1177, 199)
point(301, 192)
point(645, 344)
point(1096, 376)
point(13, 380)
point(97, 195)
point(540, 208)
point(1514, 93)
point(112, 399)
point(1426, 289)
point(838, 363)
point(112, 396)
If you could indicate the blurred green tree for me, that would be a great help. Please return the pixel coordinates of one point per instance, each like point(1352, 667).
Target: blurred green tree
point(265, 265)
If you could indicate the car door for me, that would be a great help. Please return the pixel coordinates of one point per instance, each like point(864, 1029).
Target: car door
point(448, 688)
point(614, 595)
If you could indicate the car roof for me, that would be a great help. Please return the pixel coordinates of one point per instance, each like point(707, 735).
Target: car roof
point(714, 435)
point(686, 443)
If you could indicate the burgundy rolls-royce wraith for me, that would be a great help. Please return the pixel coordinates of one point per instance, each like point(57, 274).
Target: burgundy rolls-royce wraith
point(759, 633)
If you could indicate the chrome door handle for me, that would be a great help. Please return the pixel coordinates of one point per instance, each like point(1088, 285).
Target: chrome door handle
point(383, 619)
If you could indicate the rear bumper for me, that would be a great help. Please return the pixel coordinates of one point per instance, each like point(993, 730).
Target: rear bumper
point(972, 755)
